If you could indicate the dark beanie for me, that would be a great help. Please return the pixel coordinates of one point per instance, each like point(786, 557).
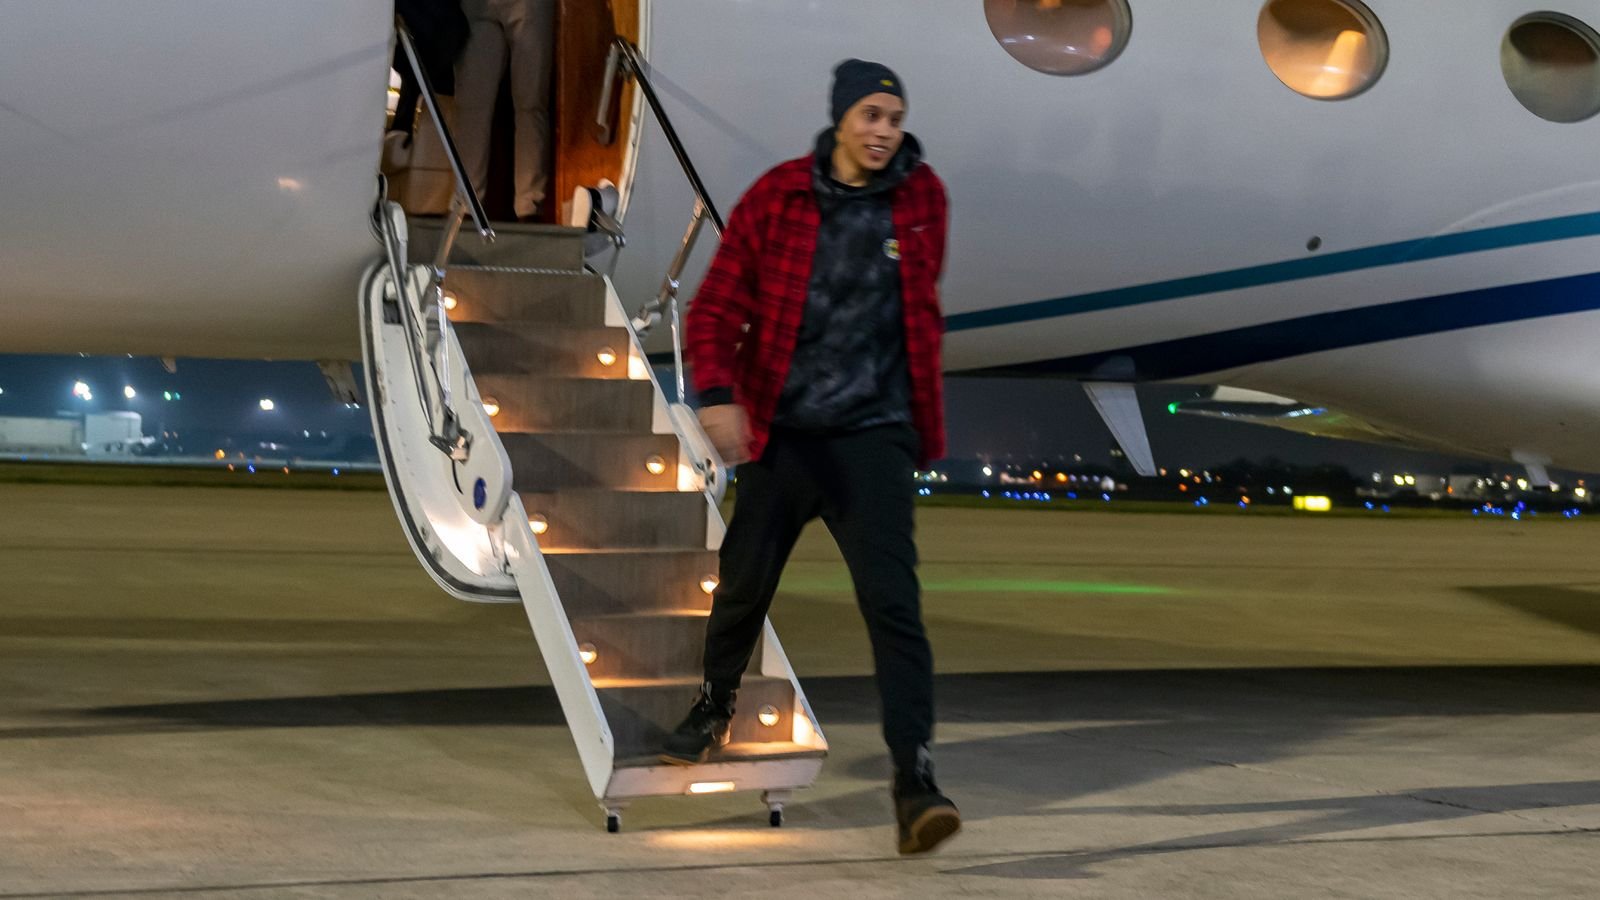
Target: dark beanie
point(857, 78)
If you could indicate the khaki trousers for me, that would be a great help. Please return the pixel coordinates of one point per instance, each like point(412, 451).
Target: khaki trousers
point(520, 33)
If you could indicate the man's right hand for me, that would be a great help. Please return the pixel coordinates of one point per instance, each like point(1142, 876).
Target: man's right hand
point(729, 429)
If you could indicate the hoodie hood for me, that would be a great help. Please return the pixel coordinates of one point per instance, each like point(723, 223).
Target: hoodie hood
point(892, 176)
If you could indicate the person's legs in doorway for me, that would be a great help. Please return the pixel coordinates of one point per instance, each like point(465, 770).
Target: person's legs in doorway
point(478, 73)
point(530, 33)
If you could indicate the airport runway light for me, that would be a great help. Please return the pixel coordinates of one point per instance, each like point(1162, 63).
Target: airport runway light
point(129, 392)
point(267, 405)
point(1580, 493)
point(988, 472)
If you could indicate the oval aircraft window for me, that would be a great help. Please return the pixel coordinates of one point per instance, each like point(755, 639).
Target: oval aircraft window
point(1552, 65)
point(1324, 49)
point(1060, 37)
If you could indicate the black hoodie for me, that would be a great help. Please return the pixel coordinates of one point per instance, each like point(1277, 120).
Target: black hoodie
point(849, 367)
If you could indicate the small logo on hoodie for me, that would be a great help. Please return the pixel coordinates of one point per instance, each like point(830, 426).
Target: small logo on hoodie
point(891, 249)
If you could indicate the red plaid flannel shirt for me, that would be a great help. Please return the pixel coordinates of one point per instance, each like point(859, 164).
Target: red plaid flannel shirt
point(742, 327)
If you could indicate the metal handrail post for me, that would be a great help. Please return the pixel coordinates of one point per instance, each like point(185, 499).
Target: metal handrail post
point(452, 228)
point(677, 346)
point(602, 118)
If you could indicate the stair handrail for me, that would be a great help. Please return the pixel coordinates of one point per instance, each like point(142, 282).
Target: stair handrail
point(625, 57)
point(425, 338)
point(465, 193)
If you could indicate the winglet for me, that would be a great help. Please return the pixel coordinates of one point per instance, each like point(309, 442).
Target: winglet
point(1119, 407)
point(1537, 465)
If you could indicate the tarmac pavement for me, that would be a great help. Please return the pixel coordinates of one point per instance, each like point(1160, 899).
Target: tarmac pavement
point(210, 692)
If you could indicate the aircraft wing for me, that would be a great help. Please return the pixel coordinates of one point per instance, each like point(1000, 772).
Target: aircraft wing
point(1257, 408)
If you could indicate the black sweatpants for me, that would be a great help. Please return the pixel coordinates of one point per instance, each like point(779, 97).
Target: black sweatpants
point(860, 484)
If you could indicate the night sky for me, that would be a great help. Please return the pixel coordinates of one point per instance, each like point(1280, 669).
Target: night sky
point(1035, 421)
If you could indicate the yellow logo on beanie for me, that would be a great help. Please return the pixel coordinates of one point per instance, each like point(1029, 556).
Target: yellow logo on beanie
point(887, 83)
point(891, 249)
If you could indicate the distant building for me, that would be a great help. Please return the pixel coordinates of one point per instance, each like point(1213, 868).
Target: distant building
point(107, 434)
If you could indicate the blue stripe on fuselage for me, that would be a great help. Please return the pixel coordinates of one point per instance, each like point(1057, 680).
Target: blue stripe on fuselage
point(1455, 244)
point(1219, 351)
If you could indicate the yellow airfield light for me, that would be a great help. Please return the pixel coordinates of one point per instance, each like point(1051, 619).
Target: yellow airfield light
point(1313, 503)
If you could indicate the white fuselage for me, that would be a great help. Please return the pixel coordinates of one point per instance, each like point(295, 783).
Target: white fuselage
point(206, 194)
point(1172, 195)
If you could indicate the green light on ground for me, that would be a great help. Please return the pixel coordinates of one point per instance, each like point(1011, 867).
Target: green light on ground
point(990, 586)
point(1173, 407)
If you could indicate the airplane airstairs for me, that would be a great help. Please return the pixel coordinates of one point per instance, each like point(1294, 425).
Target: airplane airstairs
point(533, 457)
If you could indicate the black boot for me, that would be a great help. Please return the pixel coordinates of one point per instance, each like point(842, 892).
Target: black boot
point(704, 729)
point(926, 816)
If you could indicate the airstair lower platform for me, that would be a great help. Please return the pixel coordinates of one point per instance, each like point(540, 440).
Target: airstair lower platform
point(581, 492)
